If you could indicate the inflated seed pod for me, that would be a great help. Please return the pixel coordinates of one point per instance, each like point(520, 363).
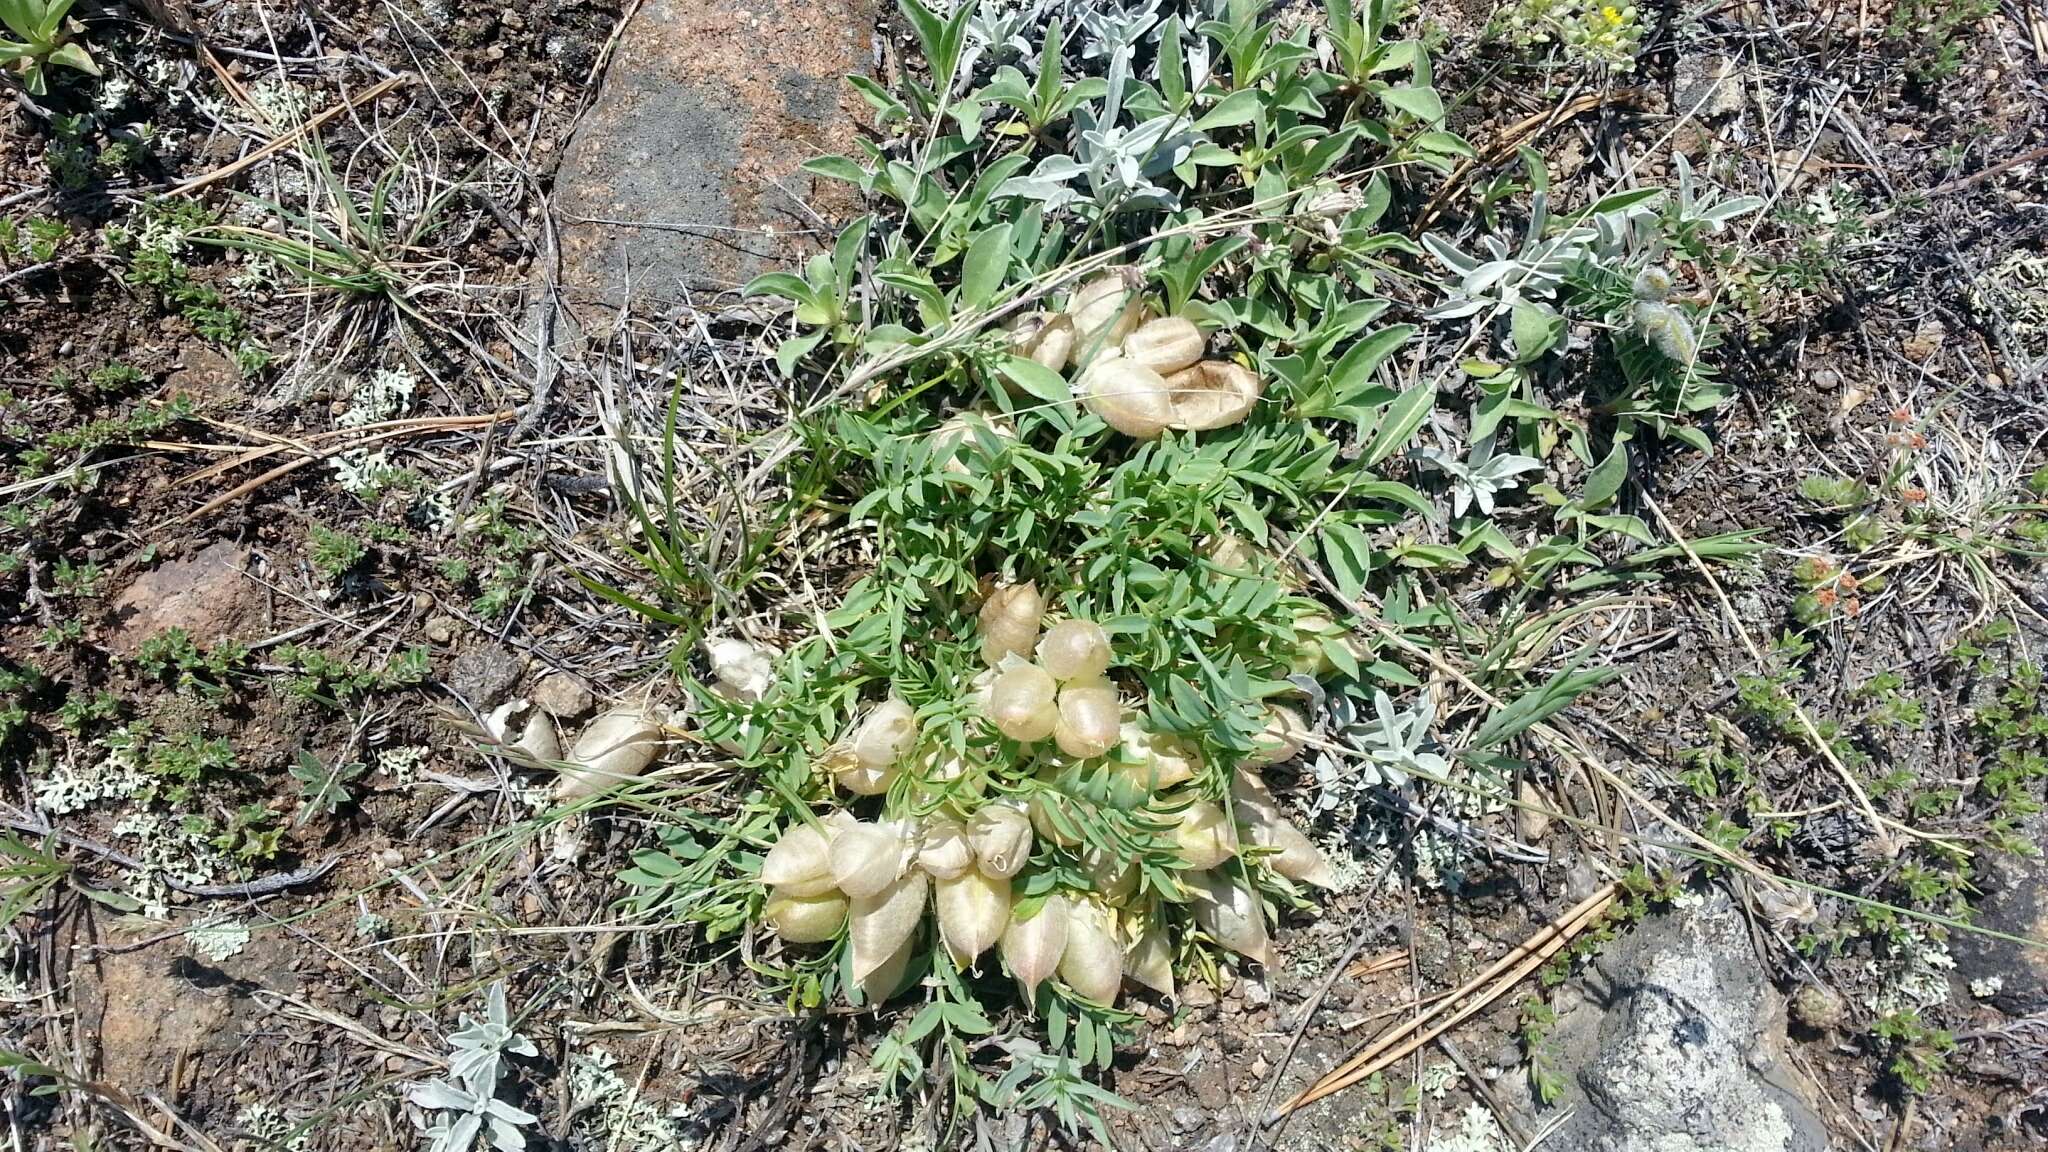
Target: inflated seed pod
point(1074, 650)
point(880, 923)
point(800, 863)
point(958, 432)
point(1204, 836)
point(1041, 808)
point(1022, 703)
point(1231, 915)
point(1285, 735)
point(1044, 337)
point(741, 671)
point(1149, 960)
point(973, 911)
point(1234, 554)
point(1166, 345)
point(1212, 394)
point(887, 736)
point(945, 852)
point(1130, 398)
point(1089, 719)
point(1156, 760)
point(1032, 948)
point(1265, 825)
point(1113, 879)
point(1001, 836)
point(1104, 311)
point(539, 739)
point(866, 858)
point(1092, 963)
point(1009, 621)
point(805, 919)
point(857, 778)
point(886, 977)
point(616, 746)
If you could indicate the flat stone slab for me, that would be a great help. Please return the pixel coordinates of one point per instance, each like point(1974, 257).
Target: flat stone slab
point(686, 172)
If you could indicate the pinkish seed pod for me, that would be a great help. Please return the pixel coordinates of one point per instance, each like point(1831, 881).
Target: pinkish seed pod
point(1212, 394)
point(1021, 703)
point(1009, 621)
point(1032, 948)
point(1045, 338)
point(1130, 398)
point(973, 911)
point(1090, 719)
point(800, 863)
point(805, 919)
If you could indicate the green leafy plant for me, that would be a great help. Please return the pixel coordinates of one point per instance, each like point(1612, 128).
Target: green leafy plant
point(323, 788)
point(44, 36)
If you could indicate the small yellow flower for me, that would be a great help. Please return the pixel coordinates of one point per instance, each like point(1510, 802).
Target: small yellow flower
point(1613, 15)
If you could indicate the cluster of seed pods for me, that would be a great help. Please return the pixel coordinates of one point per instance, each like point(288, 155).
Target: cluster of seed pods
point(877, 880)
point(1141, 373)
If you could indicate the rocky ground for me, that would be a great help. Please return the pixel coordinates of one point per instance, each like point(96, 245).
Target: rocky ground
point(275, 556)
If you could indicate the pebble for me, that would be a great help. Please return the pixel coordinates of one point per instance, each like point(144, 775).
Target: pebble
point(563, 695)
point(441, 629)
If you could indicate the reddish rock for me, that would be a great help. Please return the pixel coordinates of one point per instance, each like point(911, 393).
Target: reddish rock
point(204, 593)
point(691, 155)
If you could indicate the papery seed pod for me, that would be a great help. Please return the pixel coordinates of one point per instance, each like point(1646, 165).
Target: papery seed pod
point(1149, 959)
point(1074, 650)
point(1047, 338)
point(1653, 284)
point(1092, 963)
point(1090, 718)
point(1022, 703)
point(1231, 915)
point(1001, 836)
point(1009, 621)
point(616, 746)
point(741, 671)
point(1204, 836)
point(882, 922)
point(805, 919)
point(973, 911)
point(1112, 878)
point(1212, 394)
point(1667, 330)
point(1032, 948)
point(855, 777)
point(1041, 808)
point(958, 433)
point(945, 852)
point(1265, 825)
point(1165, 346)
point(1130, 398)
point(1285, 734)
point(1104, 311)
point(539, 739)
point(800, 863)
point(885, 978)
point(1156, 760)
point(1309, 658)
point(886, 736)
point(866, 858)
point(1234, 554)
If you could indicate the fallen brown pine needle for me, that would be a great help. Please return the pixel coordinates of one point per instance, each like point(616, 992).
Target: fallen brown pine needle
point(1405, 1036)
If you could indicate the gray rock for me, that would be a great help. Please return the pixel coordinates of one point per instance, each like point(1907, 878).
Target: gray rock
point(484, 674)
point(2012, 976)
point(562, 695)
point(1675, 1047)
point(688, 167)
point(1709, 82)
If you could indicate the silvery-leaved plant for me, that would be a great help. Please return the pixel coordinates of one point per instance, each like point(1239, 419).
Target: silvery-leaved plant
point(1481, 477)
point(1532, 273)
point(1391, 740)
point(465, 1106)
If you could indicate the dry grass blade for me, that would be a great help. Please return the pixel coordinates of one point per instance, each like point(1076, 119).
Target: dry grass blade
point(1408, 1035)
point(287, 139)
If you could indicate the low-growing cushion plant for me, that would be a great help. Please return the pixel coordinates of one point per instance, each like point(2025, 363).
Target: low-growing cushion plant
point(1111, 385)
